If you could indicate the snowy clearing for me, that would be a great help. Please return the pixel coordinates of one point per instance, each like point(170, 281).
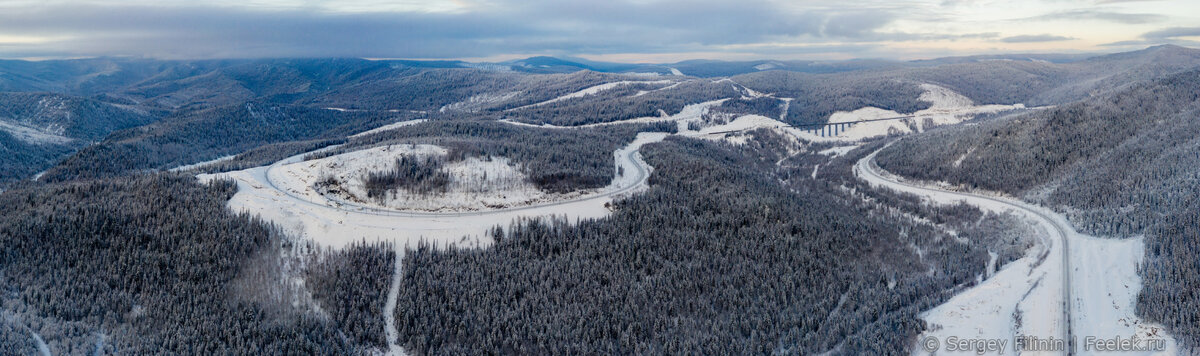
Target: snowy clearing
point(838, 151)
point(593, 90)
point(202, 164)
point(475, 184)
point(1027, 297)
point(479, 102)
point(387, 127)
point(669, 87)
point(32, 135)
point(690, 112)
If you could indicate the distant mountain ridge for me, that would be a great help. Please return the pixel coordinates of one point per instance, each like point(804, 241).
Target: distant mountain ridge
point(84, 100)
point(97, 75)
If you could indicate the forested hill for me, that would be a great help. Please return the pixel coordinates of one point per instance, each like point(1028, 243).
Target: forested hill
point(36, 129)
point(71, 117)
point(209, 133)
point(1084, 155)
point(1122, 164)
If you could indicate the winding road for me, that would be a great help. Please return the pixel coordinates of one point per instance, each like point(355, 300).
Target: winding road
point(869, 171)
point(628, 158)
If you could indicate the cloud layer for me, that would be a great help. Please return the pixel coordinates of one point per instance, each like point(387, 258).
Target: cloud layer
point(486, 28)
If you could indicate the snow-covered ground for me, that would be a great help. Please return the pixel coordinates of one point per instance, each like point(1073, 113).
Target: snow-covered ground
point(596, 89)
point(946, 107)
point(1106, 283)
point(479, 102)
point(391, 126)
point(732, 131)
point(475, 184)
point(32, 135)
point(689, 113)
point(391, 334)
point(1027, 297)
point(301, 211)
point(202, 164)
point(669, 87)
point(838, 151)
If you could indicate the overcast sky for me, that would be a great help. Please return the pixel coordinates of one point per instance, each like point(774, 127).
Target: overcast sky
point(616, 30)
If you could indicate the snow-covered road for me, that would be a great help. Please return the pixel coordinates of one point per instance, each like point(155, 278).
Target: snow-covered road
point(1087, 294)
point(1034, 316)
point(391, 334)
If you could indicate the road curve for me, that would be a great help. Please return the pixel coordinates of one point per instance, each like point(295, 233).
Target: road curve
point(629, 156)
point(868, 170)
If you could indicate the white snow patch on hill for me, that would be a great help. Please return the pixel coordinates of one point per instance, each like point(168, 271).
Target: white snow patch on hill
point(596, 89)
point(391, 126)
point(838, 151)
point(202, 164)
point(33, 135)
point(479, 102)
point(669, 87)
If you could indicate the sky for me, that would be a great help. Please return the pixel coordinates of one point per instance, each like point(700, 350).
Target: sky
point(645, 31)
